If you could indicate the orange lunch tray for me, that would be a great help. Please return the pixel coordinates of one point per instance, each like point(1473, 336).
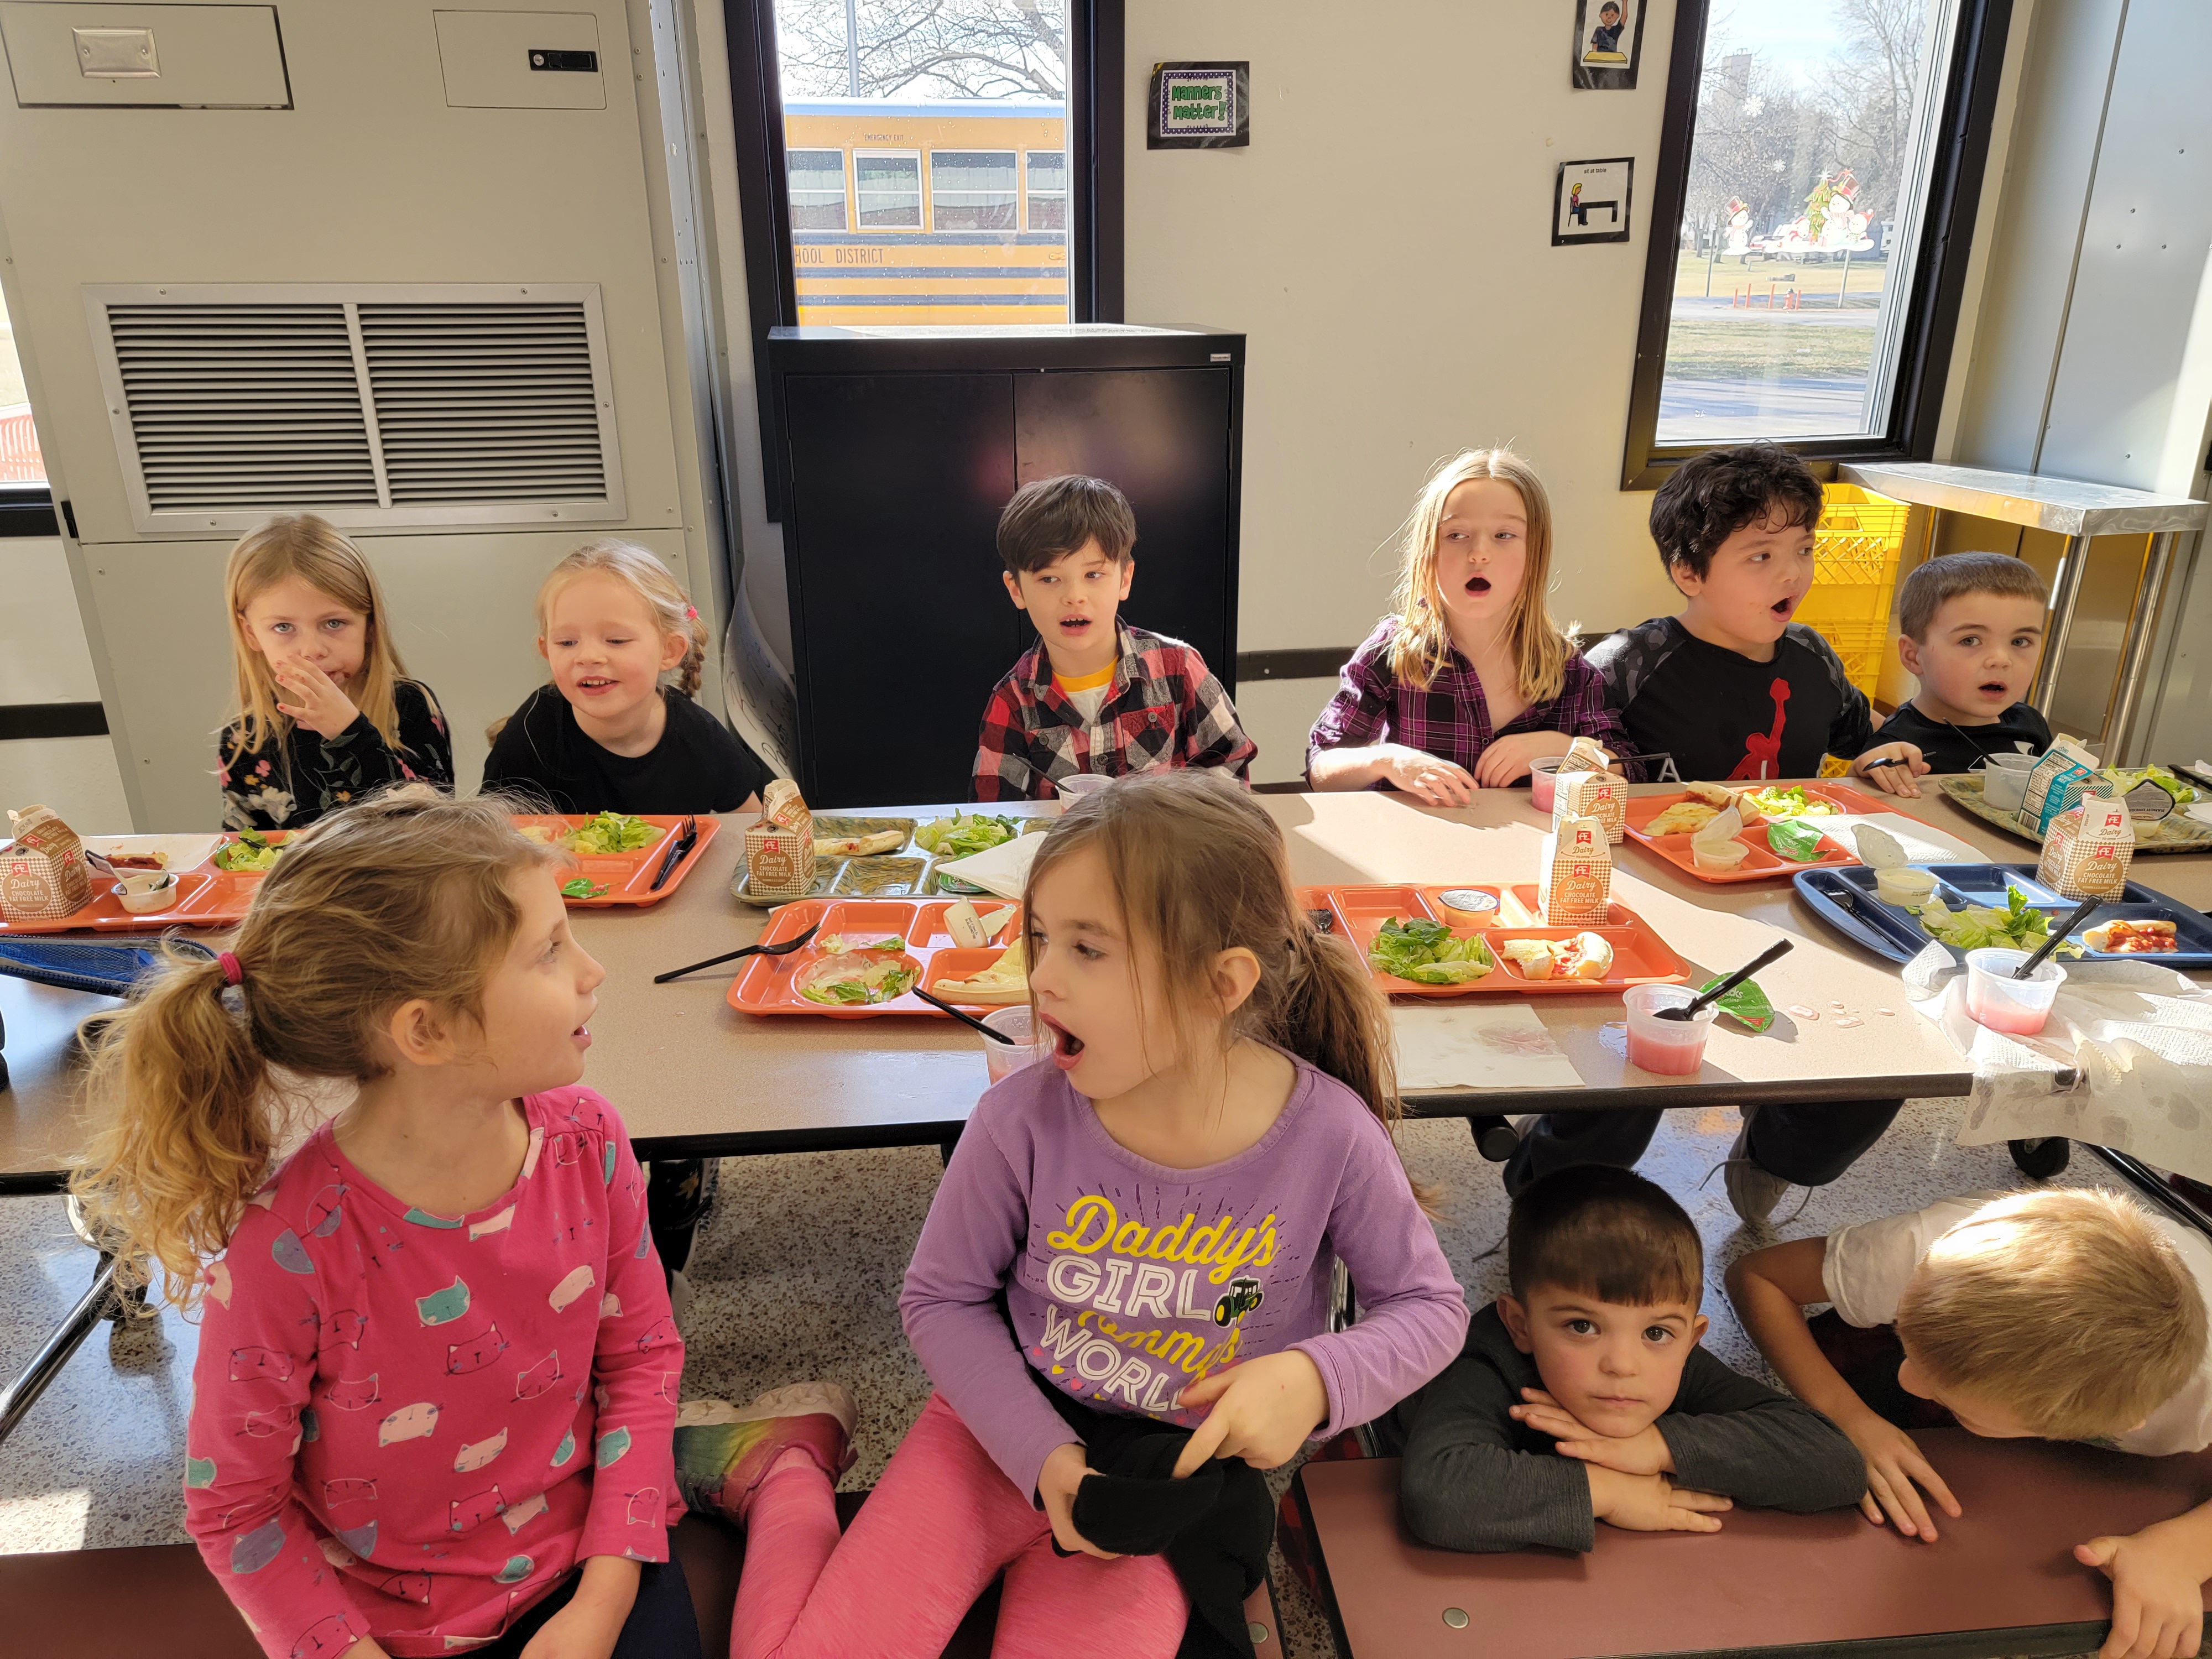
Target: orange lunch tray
point(1763, 864)
point(1640, 957)
point(206, 897)
point(627, 876)
point(769, 985)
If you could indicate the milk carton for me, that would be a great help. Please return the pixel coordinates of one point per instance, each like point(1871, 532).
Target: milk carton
point(1599, 795)
point(779, 847)
point(1574, 881)
point(2087, 850)
point(2066, 769)
point(42, 874)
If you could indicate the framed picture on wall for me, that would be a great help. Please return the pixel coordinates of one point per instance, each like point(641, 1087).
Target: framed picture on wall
point(1609, 40)
point(1199, 107)
point(1589, 201)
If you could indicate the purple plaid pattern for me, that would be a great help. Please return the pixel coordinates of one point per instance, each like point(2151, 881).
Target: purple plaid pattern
point(1450, 720)
point(1164, 708)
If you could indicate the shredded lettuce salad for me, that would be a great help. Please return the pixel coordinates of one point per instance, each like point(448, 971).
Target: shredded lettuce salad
point(1776, 802)
point(2020, 926)
point(838, 944)
point(846, 979)
point(1428, 953)
point(964, 834)
point(251, 853)
point(611, 832)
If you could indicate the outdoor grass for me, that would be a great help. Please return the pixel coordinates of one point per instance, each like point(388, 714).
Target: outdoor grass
point(1744, 349)
point(1814, 283)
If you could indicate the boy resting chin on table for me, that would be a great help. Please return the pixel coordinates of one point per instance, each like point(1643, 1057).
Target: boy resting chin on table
point(1582, 1394)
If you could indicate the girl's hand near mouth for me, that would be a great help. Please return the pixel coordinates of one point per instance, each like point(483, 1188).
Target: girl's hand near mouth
point(317, 704)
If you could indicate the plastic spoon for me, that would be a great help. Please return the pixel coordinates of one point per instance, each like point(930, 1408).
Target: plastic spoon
point(2081, 912)
point(1696, 1005)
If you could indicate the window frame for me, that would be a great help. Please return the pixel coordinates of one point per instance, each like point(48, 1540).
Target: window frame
point(1029, 195)
point(1931, 303)
point(847, 185)
point(1015, 202)
point(1095, 122)
point(920, 189)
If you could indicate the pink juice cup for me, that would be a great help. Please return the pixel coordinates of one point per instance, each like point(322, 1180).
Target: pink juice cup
point(1672, 1047)
point(1543, 783)
point(2016, 1006)
point(1003, 1059)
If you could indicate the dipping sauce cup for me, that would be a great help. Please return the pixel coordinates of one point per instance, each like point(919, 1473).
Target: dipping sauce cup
point(2004, 781)
point(1672, 1047)
point(1073, 789)
point(1903, 884)
point(2017, 1007)
point(1004, 1059)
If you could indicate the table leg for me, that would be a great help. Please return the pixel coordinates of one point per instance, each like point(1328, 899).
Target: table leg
point(2135, 654)
point(67, 1339)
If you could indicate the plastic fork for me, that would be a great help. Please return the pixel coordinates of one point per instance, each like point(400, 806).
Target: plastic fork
point(784, 948)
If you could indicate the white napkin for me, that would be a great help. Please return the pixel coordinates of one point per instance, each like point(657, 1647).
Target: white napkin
point(1003, 869)
point(1471, 1045)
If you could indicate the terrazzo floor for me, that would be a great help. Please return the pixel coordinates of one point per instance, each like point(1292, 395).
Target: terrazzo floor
point(797, 1274)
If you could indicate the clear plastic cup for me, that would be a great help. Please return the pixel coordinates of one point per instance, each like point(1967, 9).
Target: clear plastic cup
point(1004, 1059)
point(1718, 858)
point(2004, 781)
point(1543, 783)
point(1903, 884)
point(1073, 789)
point(2017, 1007)
point(1672, 1047)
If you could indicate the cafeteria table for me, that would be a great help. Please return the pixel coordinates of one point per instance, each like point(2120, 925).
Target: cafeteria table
point(693, 1078)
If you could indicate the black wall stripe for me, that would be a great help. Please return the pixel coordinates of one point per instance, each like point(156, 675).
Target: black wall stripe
point(52, 719)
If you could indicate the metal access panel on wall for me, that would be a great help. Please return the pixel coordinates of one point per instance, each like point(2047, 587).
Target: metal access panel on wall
point(389, 403)
point(145, 57)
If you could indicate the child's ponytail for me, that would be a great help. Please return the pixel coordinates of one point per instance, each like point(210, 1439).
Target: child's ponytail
point(1200, 868)
point(402, 897)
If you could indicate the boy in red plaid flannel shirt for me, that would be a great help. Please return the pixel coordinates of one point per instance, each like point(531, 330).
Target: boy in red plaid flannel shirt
point(1094, 695)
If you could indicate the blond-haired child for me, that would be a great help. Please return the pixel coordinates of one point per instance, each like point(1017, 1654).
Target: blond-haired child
point(2059, 1315)
point(1470, 680)
point(617, 729)
point(326, 714)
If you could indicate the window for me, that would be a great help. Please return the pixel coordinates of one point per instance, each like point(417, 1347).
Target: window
point(889, 190)
point(817, 189)
point(1819, 183)
point(20, 463)
point(971, 189)
point(1048, 189)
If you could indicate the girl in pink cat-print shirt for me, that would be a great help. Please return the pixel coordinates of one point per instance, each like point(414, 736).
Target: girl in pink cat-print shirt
point(437, 1371)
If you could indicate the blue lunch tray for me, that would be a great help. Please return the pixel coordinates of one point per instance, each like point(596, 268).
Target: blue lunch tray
point(1844, 898)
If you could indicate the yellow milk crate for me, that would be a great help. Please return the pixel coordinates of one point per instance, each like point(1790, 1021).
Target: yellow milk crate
point(1856, 552)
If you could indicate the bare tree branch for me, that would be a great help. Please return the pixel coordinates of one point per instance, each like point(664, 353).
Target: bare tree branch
point(925, 48)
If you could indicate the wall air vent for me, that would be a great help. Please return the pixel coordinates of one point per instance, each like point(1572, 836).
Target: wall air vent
point(375, 405)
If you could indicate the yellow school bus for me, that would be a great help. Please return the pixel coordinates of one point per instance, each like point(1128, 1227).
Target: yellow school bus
point(942, 212)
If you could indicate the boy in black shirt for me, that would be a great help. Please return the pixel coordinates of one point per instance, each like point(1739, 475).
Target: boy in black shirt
point(1732, 688)
point(1582, 1394)
point(1970, 628)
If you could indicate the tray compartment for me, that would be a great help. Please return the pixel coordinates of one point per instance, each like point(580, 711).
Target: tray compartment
point(963, 962)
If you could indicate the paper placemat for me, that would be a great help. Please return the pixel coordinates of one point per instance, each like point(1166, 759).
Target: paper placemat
point(1923, 844)
point(1494, 1045)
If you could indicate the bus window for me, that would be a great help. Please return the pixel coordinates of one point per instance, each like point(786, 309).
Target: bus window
point(972, 190)
point(889, 190)
point(817, 189)
point(1048, 189)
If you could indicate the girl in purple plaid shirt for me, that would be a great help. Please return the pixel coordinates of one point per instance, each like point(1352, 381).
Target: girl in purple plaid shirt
point(1471, 680)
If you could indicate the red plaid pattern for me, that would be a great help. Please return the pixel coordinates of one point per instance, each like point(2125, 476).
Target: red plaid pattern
point(1164, 708)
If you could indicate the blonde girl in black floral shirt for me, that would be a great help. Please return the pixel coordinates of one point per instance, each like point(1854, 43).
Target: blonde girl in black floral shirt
point(325, 712)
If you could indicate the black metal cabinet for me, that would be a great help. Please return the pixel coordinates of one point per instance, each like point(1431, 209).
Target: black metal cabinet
point(898, 452)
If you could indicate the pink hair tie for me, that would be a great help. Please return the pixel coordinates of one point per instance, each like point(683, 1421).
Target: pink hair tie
point(234, 971)
point(689, 614)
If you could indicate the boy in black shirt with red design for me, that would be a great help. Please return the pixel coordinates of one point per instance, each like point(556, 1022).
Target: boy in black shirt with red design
point(1733, 690)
